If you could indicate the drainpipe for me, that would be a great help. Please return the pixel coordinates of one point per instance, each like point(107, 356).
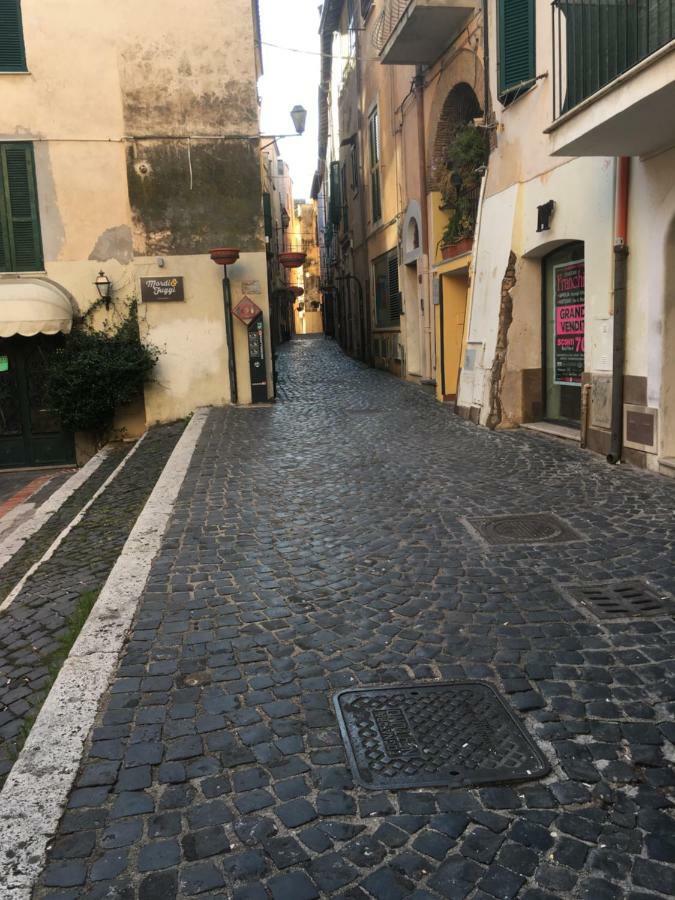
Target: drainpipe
point(619, 330)
point(424, 237)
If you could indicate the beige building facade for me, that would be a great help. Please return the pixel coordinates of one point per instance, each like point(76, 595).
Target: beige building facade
point(138, 131)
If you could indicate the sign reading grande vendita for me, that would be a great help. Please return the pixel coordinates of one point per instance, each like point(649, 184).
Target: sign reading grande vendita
point(569, 282)
point(166, 289)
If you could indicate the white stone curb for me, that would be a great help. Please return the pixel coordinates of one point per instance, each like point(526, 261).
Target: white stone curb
point(60, 538)
point(19, 536)
point(36, 791)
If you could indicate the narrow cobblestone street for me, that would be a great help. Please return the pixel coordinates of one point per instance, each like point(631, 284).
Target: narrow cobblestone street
point(320, 544)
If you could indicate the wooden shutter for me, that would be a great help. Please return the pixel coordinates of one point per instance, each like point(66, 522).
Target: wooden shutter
point(516, 43)
point(12, 53)
point(394, 293)
point(20, 207)
point(335, 205)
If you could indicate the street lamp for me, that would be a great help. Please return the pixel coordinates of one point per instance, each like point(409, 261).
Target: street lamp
point(104, 288)
point(299, 117)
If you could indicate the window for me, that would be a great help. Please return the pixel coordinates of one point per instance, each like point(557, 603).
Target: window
point(365, 7)
point(352, 25)
point(355, 165)
point(267, 214)
point(20, 242)
point(516, 47)
point(375, 187)
point(335, 203)
point(387, 295)
point(12, 52)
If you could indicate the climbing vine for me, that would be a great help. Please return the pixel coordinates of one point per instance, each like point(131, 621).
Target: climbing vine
point(99, 370)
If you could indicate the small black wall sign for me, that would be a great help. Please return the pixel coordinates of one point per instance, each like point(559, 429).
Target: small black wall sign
point(166, 289)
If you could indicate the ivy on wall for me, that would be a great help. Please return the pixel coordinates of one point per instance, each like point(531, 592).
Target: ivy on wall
point(99, 370)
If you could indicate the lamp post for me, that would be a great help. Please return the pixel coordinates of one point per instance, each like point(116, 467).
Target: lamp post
point(227, 256)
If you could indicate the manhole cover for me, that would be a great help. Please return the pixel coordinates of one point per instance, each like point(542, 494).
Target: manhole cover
point(527, 528)
point(448, 733)
point(626, 598)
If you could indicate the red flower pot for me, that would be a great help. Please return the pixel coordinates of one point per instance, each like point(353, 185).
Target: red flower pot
point(457, 248)
point(292, 260)
point(225, 256)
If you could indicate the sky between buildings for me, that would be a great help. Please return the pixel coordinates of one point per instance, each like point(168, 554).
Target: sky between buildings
point(292, 78)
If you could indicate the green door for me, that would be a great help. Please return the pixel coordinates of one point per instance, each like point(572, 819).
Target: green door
point(30, 433)
point(564, 333)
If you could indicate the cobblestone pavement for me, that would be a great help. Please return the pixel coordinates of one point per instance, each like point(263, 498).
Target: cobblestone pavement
point(31, 627)
point(318, 545)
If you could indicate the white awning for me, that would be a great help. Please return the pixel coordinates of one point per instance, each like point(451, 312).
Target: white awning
point(30, 306)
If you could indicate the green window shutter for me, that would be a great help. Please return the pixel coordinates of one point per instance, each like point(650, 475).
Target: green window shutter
point(517, 64)
point(20, 212)
point(267, 214)
point(335, 206)
point(12, 52)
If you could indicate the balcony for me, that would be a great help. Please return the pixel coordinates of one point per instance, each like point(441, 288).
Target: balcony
point(417, 32)
point(613, 84)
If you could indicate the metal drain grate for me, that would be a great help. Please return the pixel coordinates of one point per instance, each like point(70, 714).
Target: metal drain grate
point(616, 600)
point(526, 528)
point(448, 733)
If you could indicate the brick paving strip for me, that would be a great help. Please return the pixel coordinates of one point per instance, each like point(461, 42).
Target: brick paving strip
point(64, 562)
point(318, 546)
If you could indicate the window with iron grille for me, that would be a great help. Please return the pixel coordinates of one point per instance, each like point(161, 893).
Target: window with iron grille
point(517, 61)
point(12, 50)
point(375, 183)
point(387, 294)
point(20, 239)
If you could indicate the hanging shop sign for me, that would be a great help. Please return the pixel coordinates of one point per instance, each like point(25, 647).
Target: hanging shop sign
point(247, 311)
point(570, 322)
point(4, 363)
point(166, 290)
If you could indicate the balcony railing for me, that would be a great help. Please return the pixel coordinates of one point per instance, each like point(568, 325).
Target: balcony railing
point(389, 19)
point(596, 41)
point(418, 32)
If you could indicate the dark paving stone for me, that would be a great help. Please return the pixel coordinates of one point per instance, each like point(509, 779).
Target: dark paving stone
point(309, 551)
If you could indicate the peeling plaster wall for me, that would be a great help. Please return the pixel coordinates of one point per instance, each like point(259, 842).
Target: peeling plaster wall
point(113, 93)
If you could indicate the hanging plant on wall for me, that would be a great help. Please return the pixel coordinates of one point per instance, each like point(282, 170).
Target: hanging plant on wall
point(460, 183)
point(99, 370)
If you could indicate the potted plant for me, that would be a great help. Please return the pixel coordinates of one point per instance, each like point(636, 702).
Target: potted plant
point(460, 186)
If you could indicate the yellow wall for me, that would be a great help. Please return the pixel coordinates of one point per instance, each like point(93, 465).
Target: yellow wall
point(101, 76)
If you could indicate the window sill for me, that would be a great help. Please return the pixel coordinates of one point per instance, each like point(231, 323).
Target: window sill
point(23, 274)
point(15, 72)
point(507, 100)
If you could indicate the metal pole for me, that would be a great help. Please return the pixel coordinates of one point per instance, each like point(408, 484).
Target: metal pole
point(227, 300)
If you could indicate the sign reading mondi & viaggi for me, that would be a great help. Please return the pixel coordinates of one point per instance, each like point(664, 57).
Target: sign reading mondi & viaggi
point(166, 289)
point(570, 322)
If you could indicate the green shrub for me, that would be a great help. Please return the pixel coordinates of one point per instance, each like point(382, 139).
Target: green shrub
point(459, 184)
point(96, 372)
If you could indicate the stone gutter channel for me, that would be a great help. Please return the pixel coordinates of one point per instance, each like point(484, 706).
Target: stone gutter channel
point(51, 580)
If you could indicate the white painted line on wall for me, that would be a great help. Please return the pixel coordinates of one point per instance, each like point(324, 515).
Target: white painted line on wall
point(18, 538)
point(51, 550)
point(36, 791)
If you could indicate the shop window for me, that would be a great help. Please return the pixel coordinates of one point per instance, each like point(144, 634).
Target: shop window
point(375, 183)
point(12, 50)
point(387, 294)
point(516, 47)
point(20, 240)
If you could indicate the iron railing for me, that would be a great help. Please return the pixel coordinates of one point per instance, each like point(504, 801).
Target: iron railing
point(596, 41)
point(389, 19)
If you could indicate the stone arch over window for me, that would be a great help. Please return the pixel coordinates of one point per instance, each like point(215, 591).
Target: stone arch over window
point(411, 249)
point(461, 107)
point(456, 99)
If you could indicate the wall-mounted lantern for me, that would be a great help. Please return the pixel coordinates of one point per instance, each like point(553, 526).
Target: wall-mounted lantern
point(104, 288)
